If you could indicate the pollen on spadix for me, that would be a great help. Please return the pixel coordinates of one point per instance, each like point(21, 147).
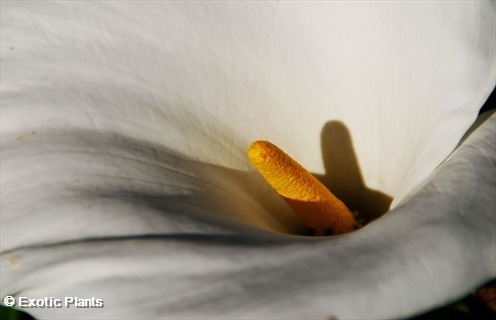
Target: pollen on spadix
point(315, 205)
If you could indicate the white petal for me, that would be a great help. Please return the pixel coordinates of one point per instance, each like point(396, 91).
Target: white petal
point(435, 248)
point(80, 184)
point(206, 79)
point(132, 120)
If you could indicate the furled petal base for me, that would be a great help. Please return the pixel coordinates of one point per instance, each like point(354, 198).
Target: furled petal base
point(430, 250)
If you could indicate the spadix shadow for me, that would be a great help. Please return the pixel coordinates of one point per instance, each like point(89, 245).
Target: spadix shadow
point(343, 175)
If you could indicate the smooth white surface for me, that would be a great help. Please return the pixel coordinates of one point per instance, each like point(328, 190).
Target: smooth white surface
point(132, 120)
point(430, 251)
point(206, 79)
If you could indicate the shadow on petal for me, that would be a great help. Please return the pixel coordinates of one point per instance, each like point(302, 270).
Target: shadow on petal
point(438, 244)
point(187, 193)
point(94, 184)
point(343, 175)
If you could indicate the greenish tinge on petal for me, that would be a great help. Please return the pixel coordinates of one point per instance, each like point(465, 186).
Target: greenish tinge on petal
point(124, 176)
point(430, 251)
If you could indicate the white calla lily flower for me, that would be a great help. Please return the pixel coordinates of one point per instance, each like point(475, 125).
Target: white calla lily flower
point(124, 173)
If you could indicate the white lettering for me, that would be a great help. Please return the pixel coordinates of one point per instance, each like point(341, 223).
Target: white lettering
point(22, 301)
point(50, 302)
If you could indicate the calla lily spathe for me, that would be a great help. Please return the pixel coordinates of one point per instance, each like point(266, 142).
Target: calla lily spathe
point(125, 177)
